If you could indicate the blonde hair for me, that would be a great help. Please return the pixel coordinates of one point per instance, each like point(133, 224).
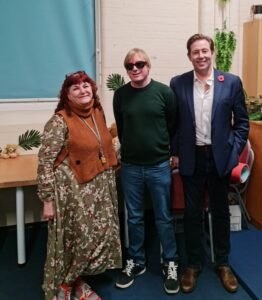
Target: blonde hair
point(139, 51)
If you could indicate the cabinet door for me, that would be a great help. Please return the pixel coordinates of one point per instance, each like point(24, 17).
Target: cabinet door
point(252, 57)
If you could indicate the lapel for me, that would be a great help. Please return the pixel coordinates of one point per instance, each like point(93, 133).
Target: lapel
point(218, 85)
point(190, 93)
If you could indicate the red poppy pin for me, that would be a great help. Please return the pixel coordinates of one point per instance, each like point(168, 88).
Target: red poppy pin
point(220, 78)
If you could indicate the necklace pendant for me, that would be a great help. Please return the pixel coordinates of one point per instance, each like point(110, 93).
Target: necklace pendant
point(103, 159)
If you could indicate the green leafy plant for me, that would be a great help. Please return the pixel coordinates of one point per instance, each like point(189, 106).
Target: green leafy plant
point(254, 108)
point(225, 43)
point(28, 140)
point(114, 81)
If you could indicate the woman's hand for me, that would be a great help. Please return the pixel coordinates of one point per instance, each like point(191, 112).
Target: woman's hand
point(48, 210)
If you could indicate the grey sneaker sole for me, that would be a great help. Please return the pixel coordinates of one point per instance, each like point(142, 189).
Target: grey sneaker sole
point(171, 291)
point(123, 286)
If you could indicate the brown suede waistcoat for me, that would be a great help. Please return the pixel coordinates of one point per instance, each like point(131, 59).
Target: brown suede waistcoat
point(83, 147)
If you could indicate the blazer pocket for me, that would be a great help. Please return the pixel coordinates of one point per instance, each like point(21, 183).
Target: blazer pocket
point(231, 140)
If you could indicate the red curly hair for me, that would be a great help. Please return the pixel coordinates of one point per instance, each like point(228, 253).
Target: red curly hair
point(76, 78)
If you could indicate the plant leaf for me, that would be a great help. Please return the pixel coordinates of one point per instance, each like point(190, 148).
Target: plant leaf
point(28, 140)
point(225, 45)
point(114, 81)
point(256, 116)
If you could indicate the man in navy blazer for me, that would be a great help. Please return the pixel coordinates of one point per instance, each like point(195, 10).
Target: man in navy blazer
point(212, 129)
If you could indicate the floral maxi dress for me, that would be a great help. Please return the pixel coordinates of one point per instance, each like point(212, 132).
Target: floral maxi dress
point(84, 236)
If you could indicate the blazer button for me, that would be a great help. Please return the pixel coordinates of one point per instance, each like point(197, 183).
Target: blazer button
point(77, 162)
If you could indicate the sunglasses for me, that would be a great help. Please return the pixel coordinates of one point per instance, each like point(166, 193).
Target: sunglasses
point(138, 65)
point(75, 73)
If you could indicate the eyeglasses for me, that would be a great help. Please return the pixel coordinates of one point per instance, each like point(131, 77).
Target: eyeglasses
point(138, 65)
point(75, 73)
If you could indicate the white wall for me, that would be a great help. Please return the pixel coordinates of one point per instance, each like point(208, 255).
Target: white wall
point(237, 12)
point(162, 29)
point(16, 118)
point(159, 27)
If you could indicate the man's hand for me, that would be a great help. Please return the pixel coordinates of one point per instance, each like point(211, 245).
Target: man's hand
point(174, 162)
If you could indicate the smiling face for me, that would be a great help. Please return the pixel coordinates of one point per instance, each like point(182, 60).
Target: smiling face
point(201, 57)
point(80, 93)
point(139, 73)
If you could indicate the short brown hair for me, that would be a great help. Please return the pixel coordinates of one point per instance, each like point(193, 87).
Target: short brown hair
point(197, 37)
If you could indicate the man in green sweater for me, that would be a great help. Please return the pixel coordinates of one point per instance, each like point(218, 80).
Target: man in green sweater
point(145, 112)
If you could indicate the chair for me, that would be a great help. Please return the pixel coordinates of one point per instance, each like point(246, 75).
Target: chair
point(238, 185)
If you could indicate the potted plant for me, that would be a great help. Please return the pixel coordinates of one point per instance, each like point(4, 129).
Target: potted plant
point(254, 108)
point(225, 43)
point(114, 81)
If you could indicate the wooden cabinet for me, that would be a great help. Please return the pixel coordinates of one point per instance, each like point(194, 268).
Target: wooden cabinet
point(252, 57)
point(254, 191)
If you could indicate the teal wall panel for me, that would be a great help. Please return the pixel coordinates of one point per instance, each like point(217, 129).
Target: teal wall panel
point(41, 41)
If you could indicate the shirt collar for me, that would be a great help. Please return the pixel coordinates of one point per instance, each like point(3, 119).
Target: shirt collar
point(209, 81)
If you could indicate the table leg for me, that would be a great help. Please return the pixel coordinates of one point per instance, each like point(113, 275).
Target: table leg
point(20, 223)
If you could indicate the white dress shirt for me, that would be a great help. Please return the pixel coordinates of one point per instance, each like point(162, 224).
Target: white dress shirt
point(203, 100)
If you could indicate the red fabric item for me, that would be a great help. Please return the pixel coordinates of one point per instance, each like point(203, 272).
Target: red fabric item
point(244, 154)
point(240, 173)
point(177, 195)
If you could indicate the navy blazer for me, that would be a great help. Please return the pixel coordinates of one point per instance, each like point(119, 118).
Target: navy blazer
point(229, 123)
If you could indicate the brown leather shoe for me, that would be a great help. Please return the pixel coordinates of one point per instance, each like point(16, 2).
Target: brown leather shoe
point(188, 280)
point(227, 278)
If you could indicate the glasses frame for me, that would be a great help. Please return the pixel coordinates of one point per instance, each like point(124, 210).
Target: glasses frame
point(139, 65)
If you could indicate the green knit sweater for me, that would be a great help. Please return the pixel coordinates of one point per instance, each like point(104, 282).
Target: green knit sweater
point(145, 119)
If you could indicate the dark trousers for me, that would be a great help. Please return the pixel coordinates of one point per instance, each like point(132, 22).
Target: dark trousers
point(206, 179)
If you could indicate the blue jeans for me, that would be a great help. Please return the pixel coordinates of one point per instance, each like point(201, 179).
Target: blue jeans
point(157, 179)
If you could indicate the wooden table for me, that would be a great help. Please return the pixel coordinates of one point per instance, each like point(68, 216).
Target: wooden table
point(19, 172)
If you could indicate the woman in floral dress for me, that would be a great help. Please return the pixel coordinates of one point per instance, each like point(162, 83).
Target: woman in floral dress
point(76, 183)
